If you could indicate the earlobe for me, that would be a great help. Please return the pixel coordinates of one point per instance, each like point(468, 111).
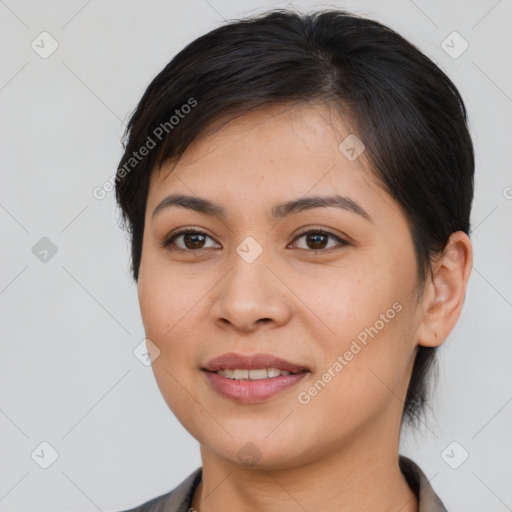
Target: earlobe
point(444, 294)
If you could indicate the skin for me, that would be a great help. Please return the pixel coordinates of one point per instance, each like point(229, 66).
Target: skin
point(339, 452)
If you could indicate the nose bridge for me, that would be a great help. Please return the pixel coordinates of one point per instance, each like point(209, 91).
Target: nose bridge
point(250, 291)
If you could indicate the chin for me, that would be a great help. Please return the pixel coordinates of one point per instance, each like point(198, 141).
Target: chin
point(256, 450)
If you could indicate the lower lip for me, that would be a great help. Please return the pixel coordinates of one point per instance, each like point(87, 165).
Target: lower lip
point(250, 391)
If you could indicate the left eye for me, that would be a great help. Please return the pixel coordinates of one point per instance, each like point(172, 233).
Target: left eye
point(317, 239)
point(194, 240)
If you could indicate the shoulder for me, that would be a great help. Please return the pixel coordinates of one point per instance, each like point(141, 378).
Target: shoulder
point(428, 500)
point(177, 500)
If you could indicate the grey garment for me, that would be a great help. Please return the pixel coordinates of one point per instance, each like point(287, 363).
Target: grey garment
point(177, 500)
point(428, 500)
point(180, 498)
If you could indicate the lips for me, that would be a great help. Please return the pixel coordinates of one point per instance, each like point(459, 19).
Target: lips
point(227, 375)
point(232, 361)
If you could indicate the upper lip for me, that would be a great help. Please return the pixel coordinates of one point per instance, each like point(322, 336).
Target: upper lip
point(232, 361)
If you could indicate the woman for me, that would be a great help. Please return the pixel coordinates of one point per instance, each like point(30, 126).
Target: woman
point(299, 217)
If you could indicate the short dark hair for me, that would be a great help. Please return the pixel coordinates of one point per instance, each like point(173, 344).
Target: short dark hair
point(404, 108)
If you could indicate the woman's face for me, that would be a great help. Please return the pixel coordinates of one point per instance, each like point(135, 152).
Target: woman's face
point(340, 303)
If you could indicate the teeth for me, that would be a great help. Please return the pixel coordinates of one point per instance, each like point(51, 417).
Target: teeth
point(240, 374)
point(259, 374)
point(274, 372)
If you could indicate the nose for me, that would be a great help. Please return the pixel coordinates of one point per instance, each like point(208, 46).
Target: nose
point(251, 295)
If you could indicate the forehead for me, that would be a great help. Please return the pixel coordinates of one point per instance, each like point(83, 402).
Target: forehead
point(277, 134)
point(273, 153)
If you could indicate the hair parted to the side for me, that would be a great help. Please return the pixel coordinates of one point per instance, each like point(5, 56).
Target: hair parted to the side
point(398, 102)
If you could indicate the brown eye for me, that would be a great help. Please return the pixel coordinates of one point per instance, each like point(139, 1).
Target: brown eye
point(191, 240)
point(317, 240)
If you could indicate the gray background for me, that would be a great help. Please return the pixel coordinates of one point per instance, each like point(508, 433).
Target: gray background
point(70, 320)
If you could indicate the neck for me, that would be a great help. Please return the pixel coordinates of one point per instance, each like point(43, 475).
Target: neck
point(363, 475)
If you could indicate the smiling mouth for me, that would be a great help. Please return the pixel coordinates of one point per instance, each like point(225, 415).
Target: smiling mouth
point(252, 378)
point(254, 385)
point(253, 374)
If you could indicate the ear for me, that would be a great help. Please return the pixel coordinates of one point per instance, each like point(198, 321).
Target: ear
point(444, 293)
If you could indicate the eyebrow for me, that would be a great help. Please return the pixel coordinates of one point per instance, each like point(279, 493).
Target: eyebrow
point(279, 211)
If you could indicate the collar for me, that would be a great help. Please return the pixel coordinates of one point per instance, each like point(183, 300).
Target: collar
point(428, 500)
point(180, 498)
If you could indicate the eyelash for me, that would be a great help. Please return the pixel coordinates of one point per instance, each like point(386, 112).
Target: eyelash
point(342, 243)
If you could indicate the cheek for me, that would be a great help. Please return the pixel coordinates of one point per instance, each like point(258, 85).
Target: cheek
point(169, 317)
point(366, 353)
point(167, 298)
point(369, 350)
point(360, 383)
point(342, 303)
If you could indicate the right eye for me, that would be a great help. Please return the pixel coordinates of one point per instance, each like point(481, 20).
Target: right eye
point(192, 240)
